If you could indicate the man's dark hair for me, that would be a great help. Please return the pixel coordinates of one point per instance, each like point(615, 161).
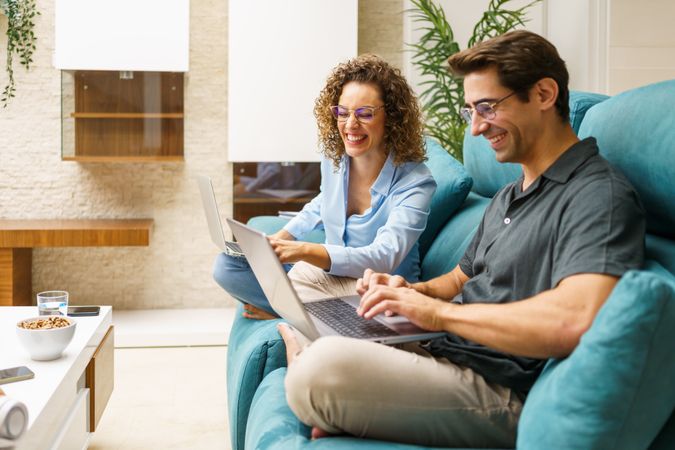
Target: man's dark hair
point(521, 58)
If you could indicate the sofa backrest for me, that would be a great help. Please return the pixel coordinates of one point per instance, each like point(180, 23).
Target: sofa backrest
point(635, 131)
point(453, 184)
point(488, 174)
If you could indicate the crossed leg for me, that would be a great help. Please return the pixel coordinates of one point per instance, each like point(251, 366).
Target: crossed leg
point(342, 385)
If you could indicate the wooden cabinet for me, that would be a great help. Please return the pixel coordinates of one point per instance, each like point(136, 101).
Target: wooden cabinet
point(100, 378)
point(122, 116)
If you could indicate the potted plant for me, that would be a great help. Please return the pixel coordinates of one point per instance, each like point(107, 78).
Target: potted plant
point(443, 93)
point(20, 39)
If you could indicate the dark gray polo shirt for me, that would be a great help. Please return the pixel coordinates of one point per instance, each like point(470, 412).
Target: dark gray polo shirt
point(580, 216)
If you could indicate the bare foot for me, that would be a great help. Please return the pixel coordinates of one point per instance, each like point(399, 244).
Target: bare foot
point(251, 312)
point(293, 349)
point(292, 346)
point(318, 433)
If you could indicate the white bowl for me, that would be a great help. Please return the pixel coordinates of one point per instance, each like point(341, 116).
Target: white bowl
point(45, 344)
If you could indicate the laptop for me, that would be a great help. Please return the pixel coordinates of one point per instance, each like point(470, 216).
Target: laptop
point(322, 317)
point(213, 218)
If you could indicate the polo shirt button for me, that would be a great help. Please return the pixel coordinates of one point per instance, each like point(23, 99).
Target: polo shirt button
point(507, 221)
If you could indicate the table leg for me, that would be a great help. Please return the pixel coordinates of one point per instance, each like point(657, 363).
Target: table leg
point(15, 277)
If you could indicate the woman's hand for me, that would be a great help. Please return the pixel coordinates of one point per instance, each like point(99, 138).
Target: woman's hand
point(281, 235)
point(288, 251)
point(294, 251)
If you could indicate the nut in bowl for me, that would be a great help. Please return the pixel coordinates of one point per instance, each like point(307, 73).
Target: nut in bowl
point(45, 337)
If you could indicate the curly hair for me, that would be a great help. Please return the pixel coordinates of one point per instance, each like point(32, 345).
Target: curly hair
point(403, 129)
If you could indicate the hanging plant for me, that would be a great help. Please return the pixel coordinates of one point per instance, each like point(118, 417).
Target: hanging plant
point(20, 39)
point(443, 93)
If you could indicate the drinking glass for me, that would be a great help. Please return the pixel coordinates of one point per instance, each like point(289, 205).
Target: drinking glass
point(52, 303)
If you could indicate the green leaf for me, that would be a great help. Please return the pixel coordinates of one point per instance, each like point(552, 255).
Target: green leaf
point(443, 93)
point(20, 39)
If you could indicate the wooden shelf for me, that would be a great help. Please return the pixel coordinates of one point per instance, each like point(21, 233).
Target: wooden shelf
point(125, 159)
point(98, 115)
point(74, 233)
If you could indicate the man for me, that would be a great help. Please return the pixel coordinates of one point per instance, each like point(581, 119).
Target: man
point(549, 250)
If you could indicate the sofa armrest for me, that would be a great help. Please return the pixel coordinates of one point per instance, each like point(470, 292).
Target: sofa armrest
point(254, 349)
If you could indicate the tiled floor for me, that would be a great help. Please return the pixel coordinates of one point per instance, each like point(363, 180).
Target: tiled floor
point(166, 398)
point(172, 327)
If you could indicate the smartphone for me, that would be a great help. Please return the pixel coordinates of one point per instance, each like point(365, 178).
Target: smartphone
point(15, 374)
point(83, 310)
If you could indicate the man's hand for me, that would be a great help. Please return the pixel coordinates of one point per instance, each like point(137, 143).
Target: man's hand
point(423, 311)
point(372, 279)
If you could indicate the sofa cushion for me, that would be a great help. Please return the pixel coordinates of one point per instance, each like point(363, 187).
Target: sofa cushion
point(453, 239)
point(254, 349)
point(453, 185)
point(615, 391)
point(489, 175)
point(634, 131)
point(272, 224)
point(661, 250)
point(273, 426)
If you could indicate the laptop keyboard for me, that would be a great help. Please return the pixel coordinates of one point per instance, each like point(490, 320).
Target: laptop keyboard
point(342, 317)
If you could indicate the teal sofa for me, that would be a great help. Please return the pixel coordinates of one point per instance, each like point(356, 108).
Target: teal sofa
point(616, 390)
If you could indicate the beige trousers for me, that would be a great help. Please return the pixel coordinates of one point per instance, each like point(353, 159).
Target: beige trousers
point(311, 283)
point(345, 385)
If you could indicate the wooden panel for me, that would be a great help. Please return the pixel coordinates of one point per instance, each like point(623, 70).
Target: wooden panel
point(128, 137)
point(101, 378)
point(100, 115)
point(15, 276)
point(124, 159)
point(146, 92)
point(74, 233)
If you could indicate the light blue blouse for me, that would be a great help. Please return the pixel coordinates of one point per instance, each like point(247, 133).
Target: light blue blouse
point(383, 238)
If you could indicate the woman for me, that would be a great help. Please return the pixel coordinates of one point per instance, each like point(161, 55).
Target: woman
point(375, 191)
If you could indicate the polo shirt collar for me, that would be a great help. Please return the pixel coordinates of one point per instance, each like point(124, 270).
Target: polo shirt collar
point(563, 168)
point(384, 180)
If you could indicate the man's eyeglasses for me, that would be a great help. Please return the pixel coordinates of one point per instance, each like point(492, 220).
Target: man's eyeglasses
point(484, 109)
point(363, 114)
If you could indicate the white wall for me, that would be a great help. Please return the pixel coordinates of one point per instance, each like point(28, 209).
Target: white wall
point(641, 43)
point(280, 53)
point(155, 37)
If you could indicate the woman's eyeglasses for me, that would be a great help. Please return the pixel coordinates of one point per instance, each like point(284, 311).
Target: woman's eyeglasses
point(484, 109)
point(363, 114)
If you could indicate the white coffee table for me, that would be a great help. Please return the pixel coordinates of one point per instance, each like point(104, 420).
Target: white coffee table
point(68, 395)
